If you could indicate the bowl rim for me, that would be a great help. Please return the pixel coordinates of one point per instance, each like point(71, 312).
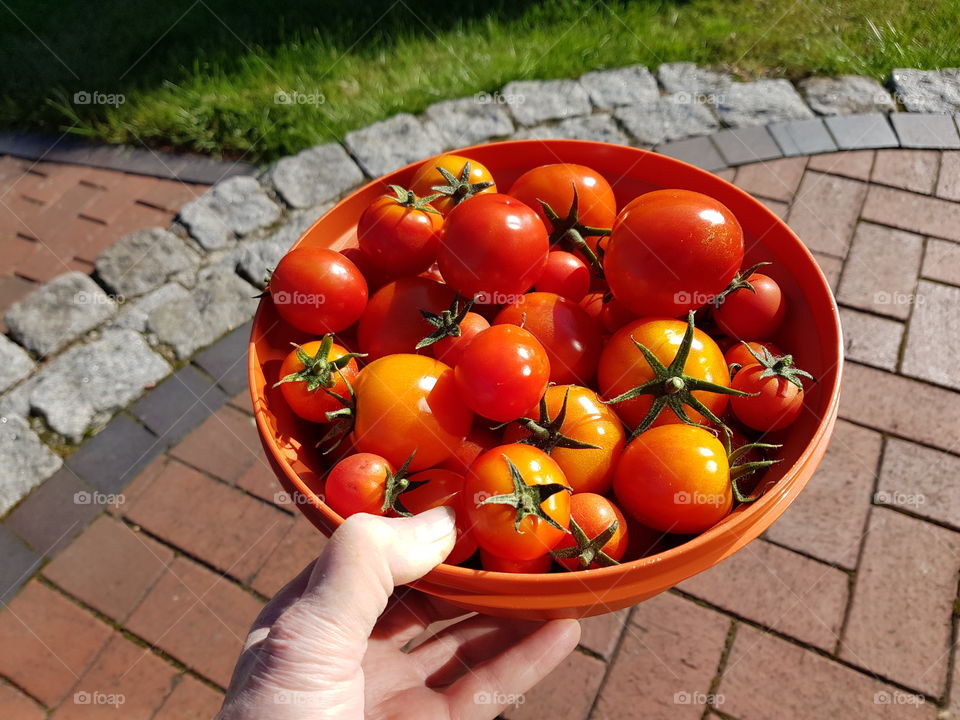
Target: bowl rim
point(452, 575)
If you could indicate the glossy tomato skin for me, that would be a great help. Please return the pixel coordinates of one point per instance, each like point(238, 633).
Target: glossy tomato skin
point(493, 563)
point(675, 478)
point(608, 311)
point(427, 176)
point(570, 336)
point(672, 251)
point(408, 403)
point(399, 240)
point(317, 290)
point(392, 322)
point(595, 514)
point(566, 275)
point(623, 367)
point(443, 487)
point(777, 404)
point(451, 348)
point(590, 421)
point(756, 315)
point(357, 484)
point(475, 444)
point(492, 246)
point(492, 525)
point(739, 355)
point(554, 185)
point(502, 372)
point(374, 276)
point(315, 405)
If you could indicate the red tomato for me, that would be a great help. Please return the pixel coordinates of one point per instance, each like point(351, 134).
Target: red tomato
point(409, 403)
point(739, 355)
point(400, 233)
point(672, 251)
point(477, 442)
point(459, 177)
point(374, 276)
point(675, 478)
point(503, 372)
point(610, 312)
point(493, 563)
point(492, 246)
point(752, 314)
point(777, 404)
point(392, 322)
point(358, 484)
point(525, 529)
point(566, 275)
point(318, 290)
point(594, 515)
point(309, 376)
point(442, 487)
point(570, 336)
point(451, 348)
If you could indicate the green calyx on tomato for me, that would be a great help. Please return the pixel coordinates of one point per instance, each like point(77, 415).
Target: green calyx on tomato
point(781, 367)
point(588, 551)
point(460, 188)
point(739, 470)
point(447, 322)
point(318, 371)
point(545, 433)
point(672, 388)
point(740, 282)
point(568, 233)
point(409, 199)
point(396, 484)
point(527, 498)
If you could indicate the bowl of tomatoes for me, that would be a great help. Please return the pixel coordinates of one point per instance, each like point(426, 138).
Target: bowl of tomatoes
point(617, 368)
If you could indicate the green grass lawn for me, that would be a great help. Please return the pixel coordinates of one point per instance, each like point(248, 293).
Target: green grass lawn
point(202, 75)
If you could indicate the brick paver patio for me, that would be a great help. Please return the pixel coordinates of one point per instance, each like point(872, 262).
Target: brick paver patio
point(847, 608)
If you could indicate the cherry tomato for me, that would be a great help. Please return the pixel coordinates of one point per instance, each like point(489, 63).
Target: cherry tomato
point(675, 478)
point(739, 355)
point(442, 487)
point(408, 403)
point(494, 525)
point(587, 420)
point(451, 348)
point(374, 276)
point(752, 314)
point(672, 251)
point(566, 275)
point(623, 367)
point(476, 443)
point(570, 336)
point(493, 563)
point(392, 322)
point(318, 290)
point(476, 181)
point(594, 514)
point(609, 311)
point(399, 233)
point(492, 246)
point(307, 391)
point(776, 406)
point(503, 372)
point(357, 484)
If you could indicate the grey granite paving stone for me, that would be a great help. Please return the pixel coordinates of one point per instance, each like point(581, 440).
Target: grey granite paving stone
point(675, 117)
point(385, 146)
point(314, 176)
point(134, 314)
point(471, 120)
point(861, 131)
point(845, 95)
point(802, 137)
point(15, 363)
point(229, 209)
point(924, 130)
point(143, 261)
point(743, 145)
point(538, 101)
point(599, 127)
point(687, 77)
point(25, 460)
point(622, 86)
point(761, 102)
point(927, 91)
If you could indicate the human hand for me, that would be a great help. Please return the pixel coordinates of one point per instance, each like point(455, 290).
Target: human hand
point(331, 643)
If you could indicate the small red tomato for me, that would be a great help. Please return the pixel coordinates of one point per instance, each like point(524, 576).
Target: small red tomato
point(441, 487)
point(565, 275)
point(374, 276)
point(752, 312)
point(739, 355)
point(318, 290)
point(494, 563)
point(776, 404)
point(311, 373)
point(393, 323)
point(570, 336)
point(450, 349)
point(502, 372)
point(399, 233)
point(492, 246)
point(358, 484)
point(594, 515)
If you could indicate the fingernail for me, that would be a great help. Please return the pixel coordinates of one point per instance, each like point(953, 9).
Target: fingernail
point(435, 524)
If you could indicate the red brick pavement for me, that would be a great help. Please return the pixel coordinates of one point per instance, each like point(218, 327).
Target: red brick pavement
point(846, 609)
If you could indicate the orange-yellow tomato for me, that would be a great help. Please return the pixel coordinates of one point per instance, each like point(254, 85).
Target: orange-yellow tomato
point(314, 404)
point(428, 176)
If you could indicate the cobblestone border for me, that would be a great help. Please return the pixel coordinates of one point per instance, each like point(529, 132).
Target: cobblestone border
point(78, 377)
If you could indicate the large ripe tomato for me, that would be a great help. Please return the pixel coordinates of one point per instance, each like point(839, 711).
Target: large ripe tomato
point(399, 233)
point(623, 367)
point(318, 290)
point(492, 247)
point(312, 374)
point(594, 515)
point(455, 178)
point(554, 184)
point(503, 372)
point(566, 275)
point(409, 403)
point(587, 420)
point(442, 487)
point(358, 484)
point(392, 322)
point(774, 402)
point(754, 312)
point(532, 521)
point(672, 251)
point(675, 478)
point(570, 336)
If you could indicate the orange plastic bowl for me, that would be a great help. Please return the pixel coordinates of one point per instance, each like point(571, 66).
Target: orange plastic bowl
point(811, 332)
